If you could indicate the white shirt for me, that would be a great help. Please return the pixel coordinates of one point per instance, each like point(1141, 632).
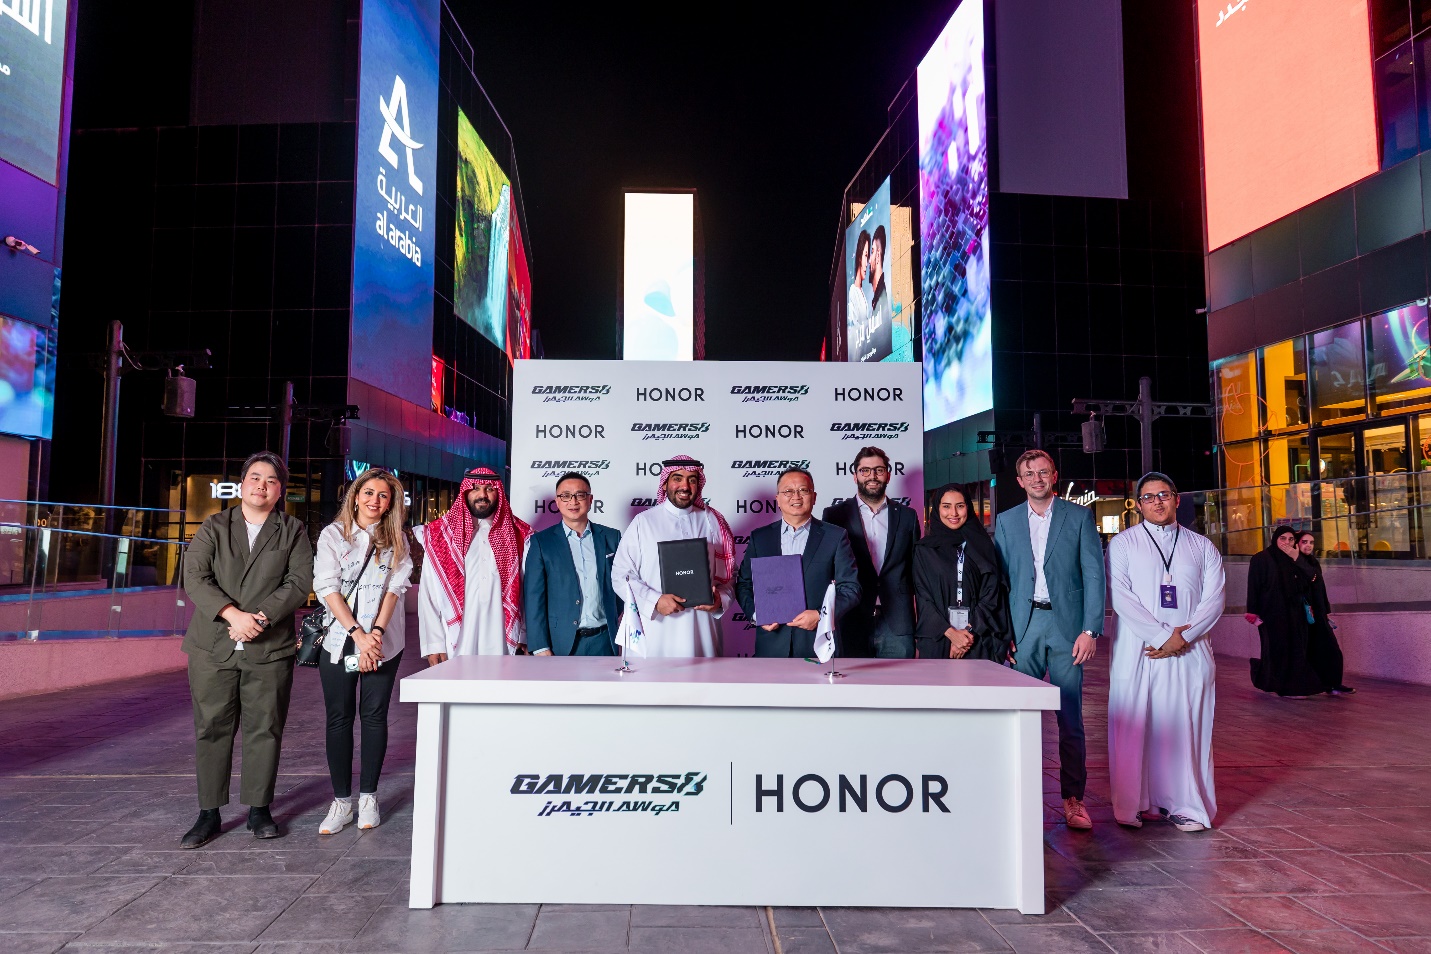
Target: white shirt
point(253, 532)
point(1038, 536)
point(876, 523)
point(480, 631)
point(793, 539)
point(335, 565)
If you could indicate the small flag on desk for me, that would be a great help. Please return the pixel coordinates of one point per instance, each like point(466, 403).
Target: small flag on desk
point(825, 631)
point(630, 635)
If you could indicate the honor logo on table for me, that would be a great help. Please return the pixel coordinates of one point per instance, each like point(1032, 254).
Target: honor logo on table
point(682, 784)
point(860, 430)
point(564, 393)
point(813, 793)
point(670, 431)
point(763, 393)
point(766, 468)
point(556, 468)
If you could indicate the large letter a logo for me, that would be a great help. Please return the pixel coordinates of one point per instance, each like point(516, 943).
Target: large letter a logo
point(392, 110)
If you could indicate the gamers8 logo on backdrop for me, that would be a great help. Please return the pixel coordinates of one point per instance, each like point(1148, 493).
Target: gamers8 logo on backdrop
point(767, 468)
point(670, 431)
point(681, 784)
point(566, 393)
point(555, 468)
point(860, 430)
point(763, 393)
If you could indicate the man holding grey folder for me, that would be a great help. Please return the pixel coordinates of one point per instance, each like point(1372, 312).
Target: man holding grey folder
point(788, 566)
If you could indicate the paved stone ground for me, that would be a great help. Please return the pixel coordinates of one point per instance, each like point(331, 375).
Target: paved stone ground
point(1323, 844)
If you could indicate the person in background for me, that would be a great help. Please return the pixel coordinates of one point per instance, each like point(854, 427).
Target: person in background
point(571, 607)
point(957, 581)
point(1279, 604)
point(1168, 592)
point(363, 649)
point(470, 595)
point(1053, 558)
point(882, 533)
point(246, 571)
point(825, 558)
point(1323, 650)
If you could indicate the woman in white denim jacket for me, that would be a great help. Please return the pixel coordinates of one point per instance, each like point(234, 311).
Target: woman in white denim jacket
point(363, 648)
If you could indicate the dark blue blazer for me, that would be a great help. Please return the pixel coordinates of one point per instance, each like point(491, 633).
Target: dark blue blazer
point(893, 585)
point(827, 558)
point(551, 590)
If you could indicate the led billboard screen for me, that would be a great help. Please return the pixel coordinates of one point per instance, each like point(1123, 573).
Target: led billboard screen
point(32, 84)
point(519, 297)
point(484, 217)
point(1288, 112)
point(396, 198)
point(953, 222)
point(658, 280)
point(27, 376)
point(878, 309)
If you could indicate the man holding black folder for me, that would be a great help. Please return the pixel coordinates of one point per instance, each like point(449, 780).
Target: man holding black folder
point(824, 557)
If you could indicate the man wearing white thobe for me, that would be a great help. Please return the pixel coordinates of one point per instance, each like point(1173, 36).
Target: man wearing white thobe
point(672, 629)
point(1167, 584)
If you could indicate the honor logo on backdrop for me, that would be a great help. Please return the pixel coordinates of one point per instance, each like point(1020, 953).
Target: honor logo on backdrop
point(570, 431)
point(860, 430)
point(844, 468)
point(555, 468)
point(767, 468)
point(678, 395)
point(685, 785)
point(762, 393)
point(869, 394)
point(565, 393)
point(550, 506)
point(669, 431)
point(757, 506)
point(769, 431)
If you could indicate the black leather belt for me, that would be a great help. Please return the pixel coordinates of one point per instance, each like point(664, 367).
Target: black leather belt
point(1042, 604)
point(590, 631)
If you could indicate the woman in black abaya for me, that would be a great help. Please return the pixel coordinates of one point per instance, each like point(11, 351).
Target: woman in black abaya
point(1323, 650)
point(954, 531)
point(1279, 594)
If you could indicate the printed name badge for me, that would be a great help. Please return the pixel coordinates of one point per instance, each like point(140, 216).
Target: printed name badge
point(1168, 594)
point(959, 617)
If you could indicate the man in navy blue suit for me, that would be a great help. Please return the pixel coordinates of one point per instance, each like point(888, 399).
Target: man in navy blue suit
point(825, 557)
point(567, 596)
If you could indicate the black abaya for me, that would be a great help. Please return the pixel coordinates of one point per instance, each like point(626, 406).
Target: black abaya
point(1279, 592)
point(1323, 651)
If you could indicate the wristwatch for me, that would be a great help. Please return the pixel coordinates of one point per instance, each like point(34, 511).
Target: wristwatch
point(1089, 632)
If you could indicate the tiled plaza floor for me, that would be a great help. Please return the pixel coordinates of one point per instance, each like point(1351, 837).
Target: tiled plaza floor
point(1323, 844)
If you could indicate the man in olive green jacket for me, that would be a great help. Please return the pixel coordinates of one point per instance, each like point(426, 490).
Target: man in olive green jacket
point(246, 571)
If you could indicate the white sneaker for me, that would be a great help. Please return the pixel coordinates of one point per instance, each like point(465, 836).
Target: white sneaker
point(1184, 823)
point(340, 816)
point(368, 816)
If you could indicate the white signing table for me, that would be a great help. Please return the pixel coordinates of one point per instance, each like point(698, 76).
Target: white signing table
point(907, 783)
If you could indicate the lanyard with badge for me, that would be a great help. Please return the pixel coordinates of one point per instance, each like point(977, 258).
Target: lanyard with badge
point(1167, 592)
point(959, 613)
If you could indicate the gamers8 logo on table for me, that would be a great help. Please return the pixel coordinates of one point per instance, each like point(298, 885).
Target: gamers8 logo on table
point(559, 788)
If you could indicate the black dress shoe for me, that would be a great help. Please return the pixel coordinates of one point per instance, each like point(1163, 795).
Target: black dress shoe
point(205, 830)
point(261, 823)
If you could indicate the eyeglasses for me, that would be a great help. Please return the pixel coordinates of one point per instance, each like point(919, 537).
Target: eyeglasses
point(801, 492)
point(1031, 474)
point(873, 472)
point(569, 498)
point(1160, 495)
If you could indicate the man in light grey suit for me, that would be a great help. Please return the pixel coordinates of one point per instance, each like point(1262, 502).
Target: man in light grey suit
point(1053, 558)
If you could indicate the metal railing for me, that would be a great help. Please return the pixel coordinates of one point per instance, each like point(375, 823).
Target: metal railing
point(1353, 518)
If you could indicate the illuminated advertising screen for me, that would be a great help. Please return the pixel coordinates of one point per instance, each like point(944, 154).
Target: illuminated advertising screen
point(27, 377)
point(658, 280)
point(877, 311)
point(519, 297)
point(32, 84)
point(953, 222)
point(1288, 111)
point(1401, 358)
point(484, 226)
point(395, 198)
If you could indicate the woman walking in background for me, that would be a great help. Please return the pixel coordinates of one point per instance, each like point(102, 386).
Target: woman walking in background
point(364, 644)
point(1323, 651)
point(1279, 605)
point(961, 597)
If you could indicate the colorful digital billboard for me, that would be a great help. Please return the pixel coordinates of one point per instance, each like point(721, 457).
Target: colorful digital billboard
point(658, 277)
point(396, 198)
point(27, 378)
point(869, 312)
point(32, 84)
point(519, 297)
point(484, 225)
point(1401, 358)
point(953, 222)
point(1288, 108)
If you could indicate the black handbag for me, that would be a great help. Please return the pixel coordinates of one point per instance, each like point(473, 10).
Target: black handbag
point(316, 624)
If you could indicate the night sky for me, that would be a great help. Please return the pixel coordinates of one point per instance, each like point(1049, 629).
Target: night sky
point(767, 119)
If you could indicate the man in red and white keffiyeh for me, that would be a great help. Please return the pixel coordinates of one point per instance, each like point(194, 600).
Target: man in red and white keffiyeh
point(470, 597)
point(681, 513)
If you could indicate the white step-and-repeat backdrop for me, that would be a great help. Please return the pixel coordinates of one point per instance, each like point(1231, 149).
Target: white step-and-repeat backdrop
point(615, 421)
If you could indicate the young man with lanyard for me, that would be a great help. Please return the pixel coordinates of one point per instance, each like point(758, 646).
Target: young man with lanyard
point(1167, 586)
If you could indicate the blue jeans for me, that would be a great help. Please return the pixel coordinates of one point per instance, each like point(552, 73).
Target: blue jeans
point(1043, 651)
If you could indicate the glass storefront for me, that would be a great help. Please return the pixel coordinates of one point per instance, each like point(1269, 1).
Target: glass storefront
point(1338, 374)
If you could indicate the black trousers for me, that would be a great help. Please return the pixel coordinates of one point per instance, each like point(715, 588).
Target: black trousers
point(365, 695)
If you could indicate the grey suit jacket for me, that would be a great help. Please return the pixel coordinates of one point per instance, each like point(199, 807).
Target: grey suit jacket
point(1072, 567)
point(275, 579)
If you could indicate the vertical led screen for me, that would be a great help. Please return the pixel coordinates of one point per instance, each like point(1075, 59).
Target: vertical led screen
point(869, 312)
point(519, 297)
point(27, 374)
point(32, 84)
point(484, 217)
point(1401, 357)
point(1288, 112)
point(953, 222)
point(396, 195)
point(658, 280)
